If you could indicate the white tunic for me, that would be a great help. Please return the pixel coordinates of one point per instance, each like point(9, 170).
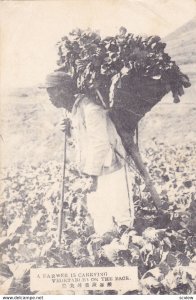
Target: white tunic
point(97, 141)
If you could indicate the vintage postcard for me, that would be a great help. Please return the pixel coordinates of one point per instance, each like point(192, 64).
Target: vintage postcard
point(98, 145)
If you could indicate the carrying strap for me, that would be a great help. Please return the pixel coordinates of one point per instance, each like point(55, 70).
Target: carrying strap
point(137, 135)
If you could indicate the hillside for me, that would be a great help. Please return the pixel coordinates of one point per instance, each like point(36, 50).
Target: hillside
point(181, 45)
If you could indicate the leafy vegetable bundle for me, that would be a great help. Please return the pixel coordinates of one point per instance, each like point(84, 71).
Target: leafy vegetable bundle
point(129, 74)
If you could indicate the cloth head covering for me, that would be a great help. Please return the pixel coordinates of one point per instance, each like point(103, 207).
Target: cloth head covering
point(58, 78)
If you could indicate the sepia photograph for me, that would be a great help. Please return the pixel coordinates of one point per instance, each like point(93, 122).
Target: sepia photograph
point(97, 147)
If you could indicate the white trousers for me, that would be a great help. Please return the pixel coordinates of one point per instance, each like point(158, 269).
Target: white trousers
point(111, 201)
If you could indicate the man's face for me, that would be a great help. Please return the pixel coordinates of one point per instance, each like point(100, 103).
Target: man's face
point(61, 97)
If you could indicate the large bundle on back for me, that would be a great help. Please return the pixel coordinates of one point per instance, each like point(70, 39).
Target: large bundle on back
point(127, 74)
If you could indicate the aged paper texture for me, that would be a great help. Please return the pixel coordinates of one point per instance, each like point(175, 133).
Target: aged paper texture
point(129, 228)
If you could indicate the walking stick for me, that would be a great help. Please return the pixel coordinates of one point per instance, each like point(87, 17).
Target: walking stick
point(61, 210)
point(131, 204)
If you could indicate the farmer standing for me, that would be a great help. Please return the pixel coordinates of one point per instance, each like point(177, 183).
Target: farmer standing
point(100, 154)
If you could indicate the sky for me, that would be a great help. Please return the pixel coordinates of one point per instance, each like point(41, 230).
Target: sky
point(29, 30)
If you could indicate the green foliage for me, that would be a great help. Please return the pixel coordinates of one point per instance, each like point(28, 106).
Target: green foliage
point(163, 251)
point(96, 62)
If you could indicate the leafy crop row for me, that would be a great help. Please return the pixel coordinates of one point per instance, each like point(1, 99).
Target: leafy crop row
point(163, 247)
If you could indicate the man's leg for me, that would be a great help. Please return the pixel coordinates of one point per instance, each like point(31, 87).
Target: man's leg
point(122, 196)
point(99, 207)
